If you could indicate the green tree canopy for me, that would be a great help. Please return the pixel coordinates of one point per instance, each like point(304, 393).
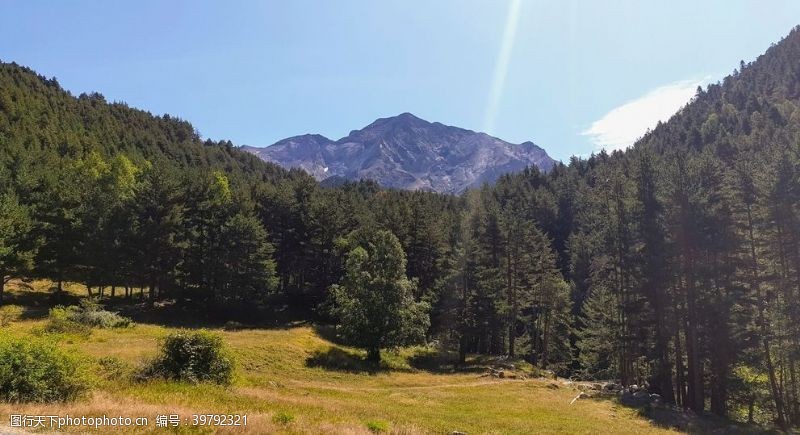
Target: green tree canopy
point(374, 301)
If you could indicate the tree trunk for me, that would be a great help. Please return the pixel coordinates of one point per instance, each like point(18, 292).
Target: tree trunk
point(794, 408)
point(777, 396)
point(2, 287)
point(462, 339)
point(462, 349)
point(510, 301)
point(663, 376)
point(374, 355)
point(680, 380)
point(511, 338)
point(720, 336)
point(546, 340)
point(694, 364)
point(756, 290)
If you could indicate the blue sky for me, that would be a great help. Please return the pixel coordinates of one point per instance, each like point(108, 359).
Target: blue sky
point(572, 76)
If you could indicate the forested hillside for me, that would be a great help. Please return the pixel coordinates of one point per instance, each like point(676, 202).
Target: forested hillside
point(111, 196)
point(675, 264)
point(683, 254)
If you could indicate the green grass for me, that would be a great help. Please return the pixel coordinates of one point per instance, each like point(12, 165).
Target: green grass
point(292, 380)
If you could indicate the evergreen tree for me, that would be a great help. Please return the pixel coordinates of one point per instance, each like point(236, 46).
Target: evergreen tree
point(248, 272)
point(17, 242)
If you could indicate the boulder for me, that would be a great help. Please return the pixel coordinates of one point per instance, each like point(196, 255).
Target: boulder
point(634, 398)
point(655, 400)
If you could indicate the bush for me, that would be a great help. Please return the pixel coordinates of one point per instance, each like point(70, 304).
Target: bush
point(113, 368)
point(60, 322)
point(192, 357)
point(36, 371)
point(90, 313)
point(102, 319)
point(377, 426)
point(283, 418)
point(76, 319)
point(9, 313)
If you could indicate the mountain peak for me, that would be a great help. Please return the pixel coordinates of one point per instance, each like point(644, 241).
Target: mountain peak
point(406, 116)
point(408, 152)
point(402, 119)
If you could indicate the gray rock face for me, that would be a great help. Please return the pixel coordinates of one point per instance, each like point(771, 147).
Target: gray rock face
point(408, 153)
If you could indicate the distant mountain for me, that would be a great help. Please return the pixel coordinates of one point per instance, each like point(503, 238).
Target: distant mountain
point(409, 153)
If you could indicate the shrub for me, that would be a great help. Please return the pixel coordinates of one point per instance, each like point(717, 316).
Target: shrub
point(77, 319)
point(60, 322)
point(101, 319)
point(113, 368)
point(192, 357)
point(90, 313)
point(377, 426)
point(36, 371)
point(9, 313)
point(283, 418)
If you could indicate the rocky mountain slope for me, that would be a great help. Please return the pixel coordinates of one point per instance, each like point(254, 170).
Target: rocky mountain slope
point(409, 153)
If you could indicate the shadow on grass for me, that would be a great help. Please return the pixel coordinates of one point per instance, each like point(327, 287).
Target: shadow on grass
point(444, 363)
point(341, 360)
point(691, 423)
point(199, 314)
point(409, 359)
point(187, 313)
point(35, 304)
point(328, 333)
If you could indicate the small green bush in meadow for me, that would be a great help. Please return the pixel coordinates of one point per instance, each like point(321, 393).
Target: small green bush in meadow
point(37, 371)
point(59, 321)
point(90, 313)
point(192, 356)
point(377, 426)
point(113, 368)
point(283, 418)
point(78, 319)
point(9, 314)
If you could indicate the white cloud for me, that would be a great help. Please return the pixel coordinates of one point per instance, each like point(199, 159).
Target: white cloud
point(619, 128)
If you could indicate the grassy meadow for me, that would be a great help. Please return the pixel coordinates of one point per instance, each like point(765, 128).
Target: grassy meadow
point(289, 379)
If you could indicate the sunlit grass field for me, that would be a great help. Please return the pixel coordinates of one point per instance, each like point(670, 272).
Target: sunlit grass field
point(290, 379)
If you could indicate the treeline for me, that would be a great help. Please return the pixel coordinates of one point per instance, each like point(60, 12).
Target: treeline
point(685, 251)
point(675, 264)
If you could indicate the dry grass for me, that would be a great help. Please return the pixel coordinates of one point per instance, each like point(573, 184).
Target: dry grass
point(280, 391)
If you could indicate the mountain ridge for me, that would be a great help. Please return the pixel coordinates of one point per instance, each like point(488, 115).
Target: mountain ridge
point(407, 152)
